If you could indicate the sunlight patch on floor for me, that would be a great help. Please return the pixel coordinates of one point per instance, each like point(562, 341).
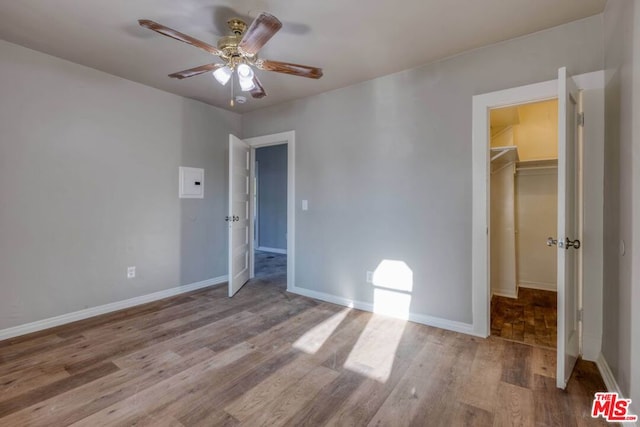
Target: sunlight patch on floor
point(374, 353)
point(314, 338)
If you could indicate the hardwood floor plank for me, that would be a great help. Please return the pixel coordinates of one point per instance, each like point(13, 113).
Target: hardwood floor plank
point(543, 362)
point(272, 316)
point(165, 421)
point(33, 396)
point(551, 405)
point(318, 410)
point(170, 316)
point(282, 411)
point(480, 390)
point(74, 405)
point(216, 418)
point(516, 369)
point(582, 386)
point(514, 406)
point(158, 334)
point(77, 328)
point(422, 384)
point(25, 348)
point(21, 382)
point(188, 342)
point(197, 409)
point(269, 391)
point(219, 369)
point(451, 380)
point(364, 402)
point(289, 332)
point(469, 416)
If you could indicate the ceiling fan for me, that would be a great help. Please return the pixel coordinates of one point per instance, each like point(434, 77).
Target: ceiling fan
point(239, 53)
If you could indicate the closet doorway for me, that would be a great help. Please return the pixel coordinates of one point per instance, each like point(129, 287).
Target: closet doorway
point(523, 214)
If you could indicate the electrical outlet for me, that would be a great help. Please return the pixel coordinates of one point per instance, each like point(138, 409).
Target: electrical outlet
point(131, 272)
point(369, 276)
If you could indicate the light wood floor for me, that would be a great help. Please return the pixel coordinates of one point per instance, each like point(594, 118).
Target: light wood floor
point(266, 357)
point(531, 318)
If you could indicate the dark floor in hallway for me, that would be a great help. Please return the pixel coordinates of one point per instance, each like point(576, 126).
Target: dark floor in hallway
point(271, 268)
point(530, 319)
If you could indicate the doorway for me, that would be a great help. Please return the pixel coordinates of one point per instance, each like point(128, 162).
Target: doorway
point(270, 214)
point(570, 203)
point(242, 207)
point(523, 215)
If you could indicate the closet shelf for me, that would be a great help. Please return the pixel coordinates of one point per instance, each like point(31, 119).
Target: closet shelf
point(503, 156)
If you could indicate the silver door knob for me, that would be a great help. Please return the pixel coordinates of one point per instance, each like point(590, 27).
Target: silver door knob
point(551, 241)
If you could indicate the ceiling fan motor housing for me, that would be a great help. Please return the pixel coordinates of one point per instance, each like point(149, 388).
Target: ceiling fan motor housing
point(229, 44)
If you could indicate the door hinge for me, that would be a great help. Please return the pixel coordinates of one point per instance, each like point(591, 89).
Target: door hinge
point(580, 315)
point(581, 119)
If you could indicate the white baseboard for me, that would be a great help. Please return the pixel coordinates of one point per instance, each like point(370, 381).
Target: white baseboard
point(272, 250)
point(106, 308)
point(607, 375)
point(612, 385)
point(540, 286)
point(451, 325)
point(507, 294)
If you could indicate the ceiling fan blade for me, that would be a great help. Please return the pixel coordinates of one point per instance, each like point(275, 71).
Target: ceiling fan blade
point(170, 32)
point(259, 33)
point(258, 91)
point(195, 71)
point(287, 68)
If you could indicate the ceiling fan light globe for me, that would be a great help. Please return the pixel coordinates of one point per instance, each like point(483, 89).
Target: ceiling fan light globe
point(246, 84)
point(245, 72)
point(222, 75)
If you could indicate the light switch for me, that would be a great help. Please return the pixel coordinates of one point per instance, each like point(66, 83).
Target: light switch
point(191, 183)
point(305, 205)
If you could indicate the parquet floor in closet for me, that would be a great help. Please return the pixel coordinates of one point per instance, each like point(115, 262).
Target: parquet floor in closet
point(531, 318)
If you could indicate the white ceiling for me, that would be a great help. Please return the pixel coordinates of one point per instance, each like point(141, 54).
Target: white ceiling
point(353, 40)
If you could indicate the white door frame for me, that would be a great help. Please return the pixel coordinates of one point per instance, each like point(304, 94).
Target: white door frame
point(482, 104)
point(288, 138)
point(256, 208)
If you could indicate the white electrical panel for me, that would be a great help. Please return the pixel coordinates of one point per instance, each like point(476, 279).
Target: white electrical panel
point(191, 185)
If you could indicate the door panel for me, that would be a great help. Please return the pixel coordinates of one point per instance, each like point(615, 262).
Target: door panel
point(238, 219)
point(568, 304)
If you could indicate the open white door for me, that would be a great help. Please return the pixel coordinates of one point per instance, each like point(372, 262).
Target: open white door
point(238, 219)
point(568, 243)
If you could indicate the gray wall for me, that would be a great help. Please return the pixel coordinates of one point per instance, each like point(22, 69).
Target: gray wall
point(621, 321)
point(89, 185)
point(386, 166)
point(272, 196)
